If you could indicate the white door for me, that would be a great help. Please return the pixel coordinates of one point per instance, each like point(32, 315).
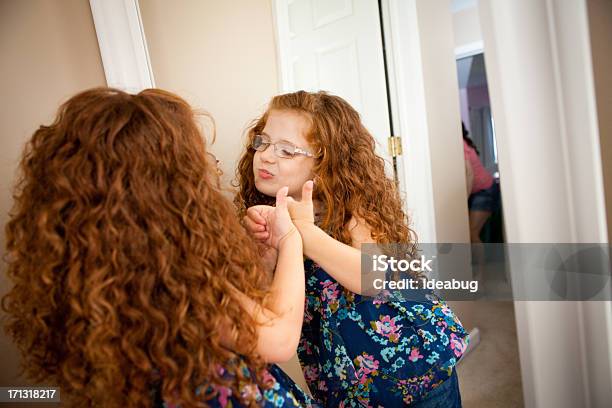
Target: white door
point(336, 46)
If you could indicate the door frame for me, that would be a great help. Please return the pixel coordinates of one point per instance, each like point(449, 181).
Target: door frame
point(280, 19)
point(123, 45)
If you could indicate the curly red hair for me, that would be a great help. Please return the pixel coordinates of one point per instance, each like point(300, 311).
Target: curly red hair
point(350, 178)
point(122, 251)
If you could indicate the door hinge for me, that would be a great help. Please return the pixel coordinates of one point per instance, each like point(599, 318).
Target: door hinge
point(395, 146)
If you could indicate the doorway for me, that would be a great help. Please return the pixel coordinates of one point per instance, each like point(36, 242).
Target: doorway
point(479, 130)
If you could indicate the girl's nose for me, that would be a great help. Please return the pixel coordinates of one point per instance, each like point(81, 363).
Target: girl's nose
point(268, 154)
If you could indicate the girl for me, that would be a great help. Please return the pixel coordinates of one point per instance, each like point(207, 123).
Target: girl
point(354, 350)
point(134, 283)
point(483, 189)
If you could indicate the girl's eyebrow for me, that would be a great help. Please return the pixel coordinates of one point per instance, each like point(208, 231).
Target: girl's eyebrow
point(282, 140)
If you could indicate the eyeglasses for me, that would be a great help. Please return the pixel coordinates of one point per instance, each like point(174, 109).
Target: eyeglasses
point(284, 150)
point(216, 161)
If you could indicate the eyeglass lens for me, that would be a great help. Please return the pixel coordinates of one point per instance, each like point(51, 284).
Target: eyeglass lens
point(281, 149)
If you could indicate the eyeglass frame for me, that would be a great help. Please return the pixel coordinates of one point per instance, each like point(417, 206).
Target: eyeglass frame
point(297, 150)
point(217, 163)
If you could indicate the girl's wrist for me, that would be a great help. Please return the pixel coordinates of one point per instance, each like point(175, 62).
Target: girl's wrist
point(311, 234)
point(291, 238)
point(303, 224)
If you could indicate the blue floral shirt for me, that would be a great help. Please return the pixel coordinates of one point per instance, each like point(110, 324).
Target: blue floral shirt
point(282, 392)
point(360, 351)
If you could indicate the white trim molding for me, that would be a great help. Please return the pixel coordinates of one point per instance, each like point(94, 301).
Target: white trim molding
point(468, 50)
point(123, 46)
point(282, 34)
point(407, 87)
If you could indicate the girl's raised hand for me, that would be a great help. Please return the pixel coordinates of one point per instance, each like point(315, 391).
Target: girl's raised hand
point(302, 212)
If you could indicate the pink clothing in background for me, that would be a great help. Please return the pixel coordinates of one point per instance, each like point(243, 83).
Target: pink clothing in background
point(482, 178)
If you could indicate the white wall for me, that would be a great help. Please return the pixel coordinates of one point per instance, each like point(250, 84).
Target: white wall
point(443, 120)
point(467, 37)
point(466, 26)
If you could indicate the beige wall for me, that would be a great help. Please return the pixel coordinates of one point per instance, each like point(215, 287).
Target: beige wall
point(48, 51)
point(600, 27)
point(221, 57)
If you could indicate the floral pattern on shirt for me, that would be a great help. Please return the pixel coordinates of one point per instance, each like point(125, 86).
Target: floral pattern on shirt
point(282, 393)
point(359, 351)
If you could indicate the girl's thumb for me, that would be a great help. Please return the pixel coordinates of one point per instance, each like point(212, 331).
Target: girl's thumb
point(281, 197)
point(307, 191)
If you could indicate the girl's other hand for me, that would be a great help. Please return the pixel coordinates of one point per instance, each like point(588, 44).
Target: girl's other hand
point(302, 212)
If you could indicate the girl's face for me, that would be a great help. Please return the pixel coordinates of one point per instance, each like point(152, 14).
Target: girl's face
point(273, 172)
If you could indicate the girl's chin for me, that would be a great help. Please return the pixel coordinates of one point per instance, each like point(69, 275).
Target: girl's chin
point(266, 188)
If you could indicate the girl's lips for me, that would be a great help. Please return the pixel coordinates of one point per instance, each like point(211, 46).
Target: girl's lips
point(264, 174)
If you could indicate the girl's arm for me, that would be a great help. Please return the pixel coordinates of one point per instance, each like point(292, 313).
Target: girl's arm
point(255, 224)
point(280, 319)
point(341, 261)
